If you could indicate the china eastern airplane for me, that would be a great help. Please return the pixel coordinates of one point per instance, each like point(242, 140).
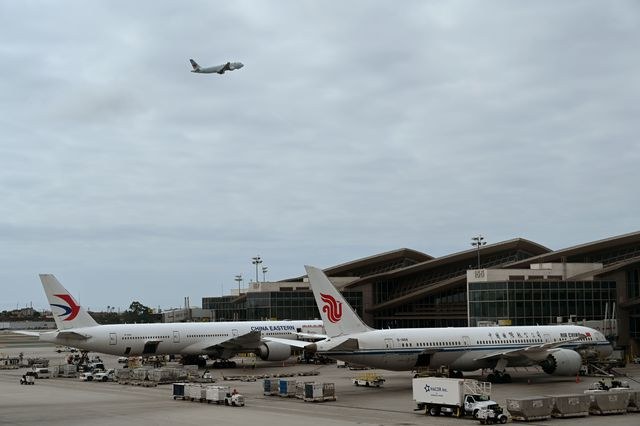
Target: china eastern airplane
point(556, 348)
point(218, 340)
point(219, 69)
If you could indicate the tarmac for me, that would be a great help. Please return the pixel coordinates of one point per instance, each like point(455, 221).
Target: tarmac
point(68, 401)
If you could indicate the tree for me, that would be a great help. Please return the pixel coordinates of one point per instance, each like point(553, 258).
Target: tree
point(138, 313)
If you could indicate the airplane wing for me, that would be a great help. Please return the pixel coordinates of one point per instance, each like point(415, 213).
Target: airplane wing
point(73, 335)
point(26, 333)
point(225, 67)
point(311, 336)
point(533, 352)
point(295, 343)
point(236, 343)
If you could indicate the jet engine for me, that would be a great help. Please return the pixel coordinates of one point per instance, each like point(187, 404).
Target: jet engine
point(563, 362)
point(271, 351)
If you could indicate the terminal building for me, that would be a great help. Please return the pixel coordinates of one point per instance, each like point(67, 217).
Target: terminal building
point(514, 282)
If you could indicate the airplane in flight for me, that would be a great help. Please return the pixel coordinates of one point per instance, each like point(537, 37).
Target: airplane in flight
point(219, 69)
point(558, 349)
point(218, 340)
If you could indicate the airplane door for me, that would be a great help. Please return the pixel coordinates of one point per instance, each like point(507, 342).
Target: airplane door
point(234, 332)
point(389, 357)
point(176, 337)
point(547, 338)
point(466, 341)
point(113, 338)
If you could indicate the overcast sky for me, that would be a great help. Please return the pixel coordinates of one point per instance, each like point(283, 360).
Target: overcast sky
point(354, 128)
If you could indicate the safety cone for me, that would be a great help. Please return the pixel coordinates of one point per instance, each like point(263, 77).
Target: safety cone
point(577, 378)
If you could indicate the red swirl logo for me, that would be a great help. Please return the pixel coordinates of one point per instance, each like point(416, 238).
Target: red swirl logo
point(331, 307)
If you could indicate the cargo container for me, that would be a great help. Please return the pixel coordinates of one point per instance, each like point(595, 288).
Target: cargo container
point(634, 401)
point(178, 390)
point(216, 394)
point(608, 402)
point(570, 405)
point(287, 387)
point(195, 392)
point(529, 408)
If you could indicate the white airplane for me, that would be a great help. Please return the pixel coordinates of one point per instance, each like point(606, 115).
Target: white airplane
point(556, 348)
point(219, 69)
point(218, 340)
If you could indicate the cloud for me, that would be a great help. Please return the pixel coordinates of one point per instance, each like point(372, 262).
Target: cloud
point(353, 129)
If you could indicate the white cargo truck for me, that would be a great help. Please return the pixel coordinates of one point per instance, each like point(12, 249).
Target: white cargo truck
point(451, 397)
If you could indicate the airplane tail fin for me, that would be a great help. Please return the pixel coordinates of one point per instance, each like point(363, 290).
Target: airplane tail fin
point(194, 64)
point(66, 311)
point(337, 315)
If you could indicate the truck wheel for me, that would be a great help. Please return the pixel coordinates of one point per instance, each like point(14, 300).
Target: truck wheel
point(434, 411)
point(503, 419)
point(105, 378)
point(475, 413)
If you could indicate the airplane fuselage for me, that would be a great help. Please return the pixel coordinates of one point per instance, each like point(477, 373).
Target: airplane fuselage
point(459, 348)
point(178, 338)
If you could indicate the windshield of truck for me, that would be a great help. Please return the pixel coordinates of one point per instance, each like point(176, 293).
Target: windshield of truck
point(481, 397)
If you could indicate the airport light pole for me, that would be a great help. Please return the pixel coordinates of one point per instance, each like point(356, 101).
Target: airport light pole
point(256, 261)
point(477, 242)
point(238, 279)
point(265, 269)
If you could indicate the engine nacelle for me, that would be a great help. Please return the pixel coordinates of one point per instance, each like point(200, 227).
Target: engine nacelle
point(563, 362)
point(271, 351)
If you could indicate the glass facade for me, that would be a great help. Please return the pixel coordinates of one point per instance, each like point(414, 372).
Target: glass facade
point(539, 302)
point(273, 305)
point(444, 309)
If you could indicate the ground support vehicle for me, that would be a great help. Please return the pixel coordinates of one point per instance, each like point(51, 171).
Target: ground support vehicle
point(234, 400)
point(492, 414)
point(451, 397)
point(369, 379)
point(28, 378)
point(104, 376)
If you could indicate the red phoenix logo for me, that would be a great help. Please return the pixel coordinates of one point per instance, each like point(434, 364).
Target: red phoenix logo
point(332, 307)
point(70, 309)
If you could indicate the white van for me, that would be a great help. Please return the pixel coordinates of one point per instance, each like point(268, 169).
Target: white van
point(41, 373)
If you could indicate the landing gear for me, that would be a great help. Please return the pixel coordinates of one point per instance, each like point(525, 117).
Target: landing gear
point(194, 360)
point(499, 377)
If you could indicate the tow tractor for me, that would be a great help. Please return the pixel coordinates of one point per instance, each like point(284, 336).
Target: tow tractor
point(368, 379)
point(28, 378)
point(491, 414)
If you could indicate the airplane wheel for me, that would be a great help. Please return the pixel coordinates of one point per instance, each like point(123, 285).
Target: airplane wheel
point(506, 378)
point(433, 411)
point(491, 378)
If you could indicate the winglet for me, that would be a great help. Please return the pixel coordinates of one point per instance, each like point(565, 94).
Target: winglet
point(66, 311)
point(337, 315)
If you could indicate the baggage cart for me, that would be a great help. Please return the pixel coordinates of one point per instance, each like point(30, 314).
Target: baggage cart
point(178, 390)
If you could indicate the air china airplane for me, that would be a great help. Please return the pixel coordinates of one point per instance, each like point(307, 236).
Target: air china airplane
point(558, 349)
point(219, 340)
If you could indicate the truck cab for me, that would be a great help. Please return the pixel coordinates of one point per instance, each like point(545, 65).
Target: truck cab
point(473, 403)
